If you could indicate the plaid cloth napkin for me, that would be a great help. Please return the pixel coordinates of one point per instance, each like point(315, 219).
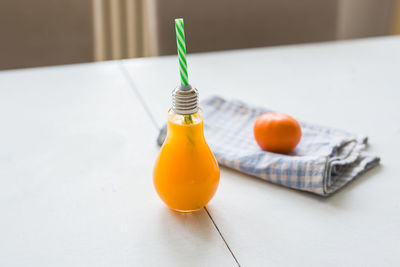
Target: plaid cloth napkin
point(324, 161)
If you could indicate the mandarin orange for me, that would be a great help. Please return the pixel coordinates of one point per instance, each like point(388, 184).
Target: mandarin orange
point(277, 132)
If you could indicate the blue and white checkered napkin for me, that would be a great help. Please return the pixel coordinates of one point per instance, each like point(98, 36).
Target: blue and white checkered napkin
point(324, 161)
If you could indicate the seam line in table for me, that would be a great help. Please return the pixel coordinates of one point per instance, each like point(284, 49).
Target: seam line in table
point(136, 92)
point(141, 100)
point(223, 239)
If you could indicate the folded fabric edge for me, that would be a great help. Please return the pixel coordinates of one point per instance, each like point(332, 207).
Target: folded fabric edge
point(342, 170)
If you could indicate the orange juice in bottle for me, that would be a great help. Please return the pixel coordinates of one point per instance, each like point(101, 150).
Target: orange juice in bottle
point(186, 174)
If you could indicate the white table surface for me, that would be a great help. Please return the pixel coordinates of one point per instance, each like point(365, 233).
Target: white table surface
point(351, 85)
point(76, 157)
point(78, 144)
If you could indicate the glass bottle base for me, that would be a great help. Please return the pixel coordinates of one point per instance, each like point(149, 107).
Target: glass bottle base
point(186, 211)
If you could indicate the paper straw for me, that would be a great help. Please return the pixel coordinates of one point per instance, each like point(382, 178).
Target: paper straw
point(180, 43)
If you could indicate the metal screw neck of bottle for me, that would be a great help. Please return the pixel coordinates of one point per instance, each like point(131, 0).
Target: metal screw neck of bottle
point(185, 100)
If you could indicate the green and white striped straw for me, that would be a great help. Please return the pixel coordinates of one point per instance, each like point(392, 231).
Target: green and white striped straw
point(180, 43)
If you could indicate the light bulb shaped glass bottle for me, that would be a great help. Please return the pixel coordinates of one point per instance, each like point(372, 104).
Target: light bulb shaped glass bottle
point(186, 174)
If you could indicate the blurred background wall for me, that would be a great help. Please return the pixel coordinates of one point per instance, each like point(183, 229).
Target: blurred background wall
point(45, 32)
point(49, 32)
